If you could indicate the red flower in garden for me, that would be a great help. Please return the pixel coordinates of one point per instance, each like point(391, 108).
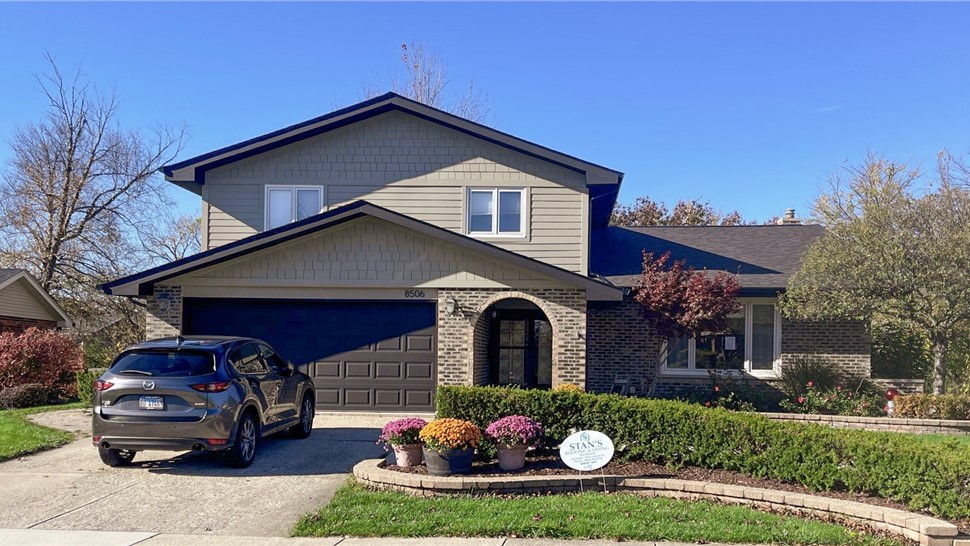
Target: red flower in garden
point(708, 404)
point(717, 389)
point(809, 384)
point(801, 399)
point(838, 387)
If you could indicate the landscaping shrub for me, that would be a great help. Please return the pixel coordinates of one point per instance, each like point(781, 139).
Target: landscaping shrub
point(85, 385)
point(932, 406)
point(40, 356)
point(837, 401)
point(803, 369)
point(27, 395)
point(922, 475)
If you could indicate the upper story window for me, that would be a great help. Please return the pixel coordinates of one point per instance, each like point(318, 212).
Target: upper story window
point(285, 204)
point(752, 344)
point(496, 212)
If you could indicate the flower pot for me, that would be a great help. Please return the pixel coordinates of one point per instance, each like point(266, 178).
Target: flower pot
point(407, 454)
point(511, 457)
point(445, 462)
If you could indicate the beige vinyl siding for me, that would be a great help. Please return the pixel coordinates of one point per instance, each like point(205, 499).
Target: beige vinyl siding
point(411, 166)
point(17, 300)
point(365, 253)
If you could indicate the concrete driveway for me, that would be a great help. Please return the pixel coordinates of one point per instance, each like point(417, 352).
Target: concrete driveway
point(68, 488)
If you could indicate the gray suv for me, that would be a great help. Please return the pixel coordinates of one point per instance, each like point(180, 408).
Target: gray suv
point(199, 393)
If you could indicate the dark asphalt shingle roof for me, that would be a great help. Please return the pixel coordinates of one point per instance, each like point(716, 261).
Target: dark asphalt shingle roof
point(763, 256)
point(7, 273)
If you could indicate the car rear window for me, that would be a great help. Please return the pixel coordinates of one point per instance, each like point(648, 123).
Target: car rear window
point(165, 363)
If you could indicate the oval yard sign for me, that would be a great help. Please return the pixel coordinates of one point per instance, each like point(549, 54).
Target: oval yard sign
point(586, 450)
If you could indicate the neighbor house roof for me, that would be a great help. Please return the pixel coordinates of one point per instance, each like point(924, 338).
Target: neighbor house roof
point(764, 257)
point(8, 277)
point(143, 283)
point(603, 182)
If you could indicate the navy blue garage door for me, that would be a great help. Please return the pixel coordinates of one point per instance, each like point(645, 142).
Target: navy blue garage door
point(368, 356)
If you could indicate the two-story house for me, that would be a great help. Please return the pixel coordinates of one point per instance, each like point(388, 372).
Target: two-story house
point(390, 247)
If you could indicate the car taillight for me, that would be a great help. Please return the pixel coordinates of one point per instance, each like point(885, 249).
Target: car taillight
point(100, 385)
point(217, 386)
point(218, 441)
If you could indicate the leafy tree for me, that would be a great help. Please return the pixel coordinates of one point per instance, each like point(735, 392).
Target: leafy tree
point(80, 195)
point(647, 212)
point(896, 247)
point(678, 300)
point(426, 80)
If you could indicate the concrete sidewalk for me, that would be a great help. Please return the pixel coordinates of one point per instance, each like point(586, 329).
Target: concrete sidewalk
point(43, 537)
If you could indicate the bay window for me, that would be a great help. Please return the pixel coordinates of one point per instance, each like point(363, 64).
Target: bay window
point(286, 204)
point(751, 343)
point(496, 212)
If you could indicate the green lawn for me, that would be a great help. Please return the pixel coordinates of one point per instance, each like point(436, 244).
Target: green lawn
point(958, 441)
point(356, 511)
point(19, 436)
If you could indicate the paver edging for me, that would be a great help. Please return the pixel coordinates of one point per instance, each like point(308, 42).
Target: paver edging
point(928, 531)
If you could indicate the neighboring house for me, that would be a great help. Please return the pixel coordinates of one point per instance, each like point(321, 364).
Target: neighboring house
point(390, 247)
point(25, 304)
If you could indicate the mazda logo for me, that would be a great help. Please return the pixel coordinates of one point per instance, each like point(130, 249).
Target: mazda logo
point(148, 385)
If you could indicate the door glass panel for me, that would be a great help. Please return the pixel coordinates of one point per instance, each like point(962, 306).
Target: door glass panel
point(543, 335)
point(481, 212)
point(677, 353)
point(510, 212)
point(723, 351)
point(280, 206)
point(762, 337)
point(307, 203)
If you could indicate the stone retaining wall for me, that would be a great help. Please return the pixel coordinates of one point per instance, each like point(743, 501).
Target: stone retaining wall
point(886, 424)
point(928, 531)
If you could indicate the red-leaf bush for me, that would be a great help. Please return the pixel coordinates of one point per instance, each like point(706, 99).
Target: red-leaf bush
point(40, 356)
point(677, 300)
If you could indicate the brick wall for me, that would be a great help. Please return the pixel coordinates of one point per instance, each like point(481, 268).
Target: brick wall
point(844, 343)
point(164, 323)
point(461, 353)
point(620, 343)
point(19, 324)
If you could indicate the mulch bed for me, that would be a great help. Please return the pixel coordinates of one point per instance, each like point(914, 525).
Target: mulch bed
point(544, 464)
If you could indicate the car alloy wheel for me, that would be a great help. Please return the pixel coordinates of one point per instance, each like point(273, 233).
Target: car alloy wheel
point(247, 440)
point(306, 415)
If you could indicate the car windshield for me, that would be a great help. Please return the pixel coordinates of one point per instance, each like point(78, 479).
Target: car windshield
point(175, 363)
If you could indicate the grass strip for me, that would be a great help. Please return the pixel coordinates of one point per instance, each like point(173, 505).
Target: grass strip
point(357, 511)
point(19, 436)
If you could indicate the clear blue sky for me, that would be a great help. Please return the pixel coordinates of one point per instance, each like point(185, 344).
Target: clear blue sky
point(748, 106)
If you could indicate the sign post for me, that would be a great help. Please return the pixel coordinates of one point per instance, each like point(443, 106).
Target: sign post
point(586, 450)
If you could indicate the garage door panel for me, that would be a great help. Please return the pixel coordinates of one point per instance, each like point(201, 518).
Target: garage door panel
point(418, 398)
point(417, 343)
point(361, 355)
point(387, 398)
point(417, 370)
point(388, 370)
point(360, 398)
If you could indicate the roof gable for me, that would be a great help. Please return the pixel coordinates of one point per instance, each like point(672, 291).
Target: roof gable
point(143, 283)
point(22, 295)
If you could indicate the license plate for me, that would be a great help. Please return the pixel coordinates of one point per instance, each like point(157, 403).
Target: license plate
point(151, 402)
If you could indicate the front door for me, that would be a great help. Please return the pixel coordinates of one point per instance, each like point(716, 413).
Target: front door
point(520, 351)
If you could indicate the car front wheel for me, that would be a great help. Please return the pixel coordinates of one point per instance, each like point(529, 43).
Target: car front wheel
point(115, 457)
point(243, 451)
point(305, 426)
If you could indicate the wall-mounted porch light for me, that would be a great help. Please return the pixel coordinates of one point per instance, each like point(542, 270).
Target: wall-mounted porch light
point(451, 306)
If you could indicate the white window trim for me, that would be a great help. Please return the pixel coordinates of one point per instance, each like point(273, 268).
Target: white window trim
point(292, 188)
point(494, 232)
point(691, 371)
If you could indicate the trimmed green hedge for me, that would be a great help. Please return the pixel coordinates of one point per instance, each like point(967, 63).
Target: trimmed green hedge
point(924, 476)
point(85, 385)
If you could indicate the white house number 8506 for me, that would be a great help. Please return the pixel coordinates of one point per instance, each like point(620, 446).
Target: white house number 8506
point(414, 293)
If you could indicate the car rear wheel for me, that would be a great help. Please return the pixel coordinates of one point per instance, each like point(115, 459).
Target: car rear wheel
point(115, 457)
point(243, 451)
point(305, 426)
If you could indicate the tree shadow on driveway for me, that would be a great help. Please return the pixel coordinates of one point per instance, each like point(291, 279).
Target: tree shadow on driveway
point(326, 451)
